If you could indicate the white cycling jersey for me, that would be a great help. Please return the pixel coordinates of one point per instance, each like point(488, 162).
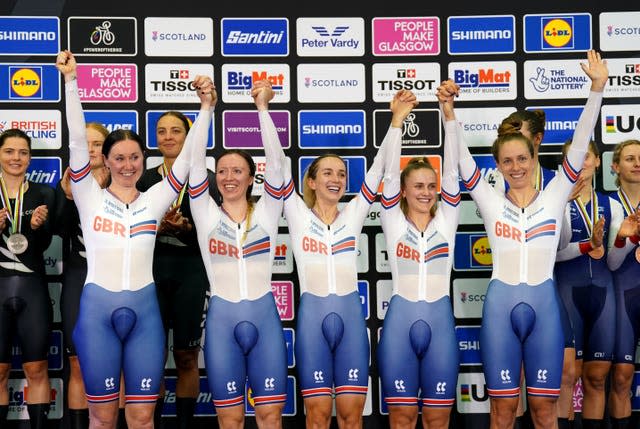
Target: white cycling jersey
point(119, 237)
point(421, 261)
point(239, 256)
point(523, 240)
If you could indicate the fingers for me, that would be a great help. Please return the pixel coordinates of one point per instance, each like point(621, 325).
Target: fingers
point(204, 84)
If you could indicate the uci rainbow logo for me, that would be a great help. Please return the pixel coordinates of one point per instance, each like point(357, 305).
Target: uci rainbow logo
point(25, 82)
point(557, 32)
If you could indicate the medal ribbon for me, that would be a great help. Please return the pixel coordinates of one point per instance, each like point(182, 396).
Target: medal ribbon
point(539, 185)
point(14, 215)
point(626, 202)
point(177, 201)
point(588, 218)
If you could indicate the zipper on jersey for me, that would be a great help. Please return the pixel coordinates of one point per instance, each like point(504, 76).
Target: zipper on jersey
point(422, 269)
point(331, 270)
point(524, 270)
point(242, 266)
point(126, 263)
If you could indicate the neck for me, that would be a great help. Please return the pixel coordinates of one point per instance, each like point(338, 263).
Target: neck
point(126, 194)
point(522, 197)
point(236, 210)
point(632, 190)
point(420, 220)
point(169, 162)
point(13, 183)
point(327, 212)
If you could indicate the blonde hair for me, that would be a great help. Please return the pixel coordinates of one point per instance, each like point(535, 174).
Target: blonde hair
point(417, 163)
point(99, 128)
point(308, 194)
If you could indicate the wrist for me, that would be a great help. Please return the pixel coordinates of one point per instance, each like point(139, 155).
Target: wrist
point(635, 239)
point(70, 77)
point(620, 241)
point(585, 247)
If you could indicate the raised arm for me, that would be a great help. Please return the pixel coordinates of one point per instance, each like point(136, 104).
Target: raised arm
point(482, 193)
point(450, 189)
point(596, 69)
point(262, 93)
point(401, 105)
point(83, 185)
point(198, 176)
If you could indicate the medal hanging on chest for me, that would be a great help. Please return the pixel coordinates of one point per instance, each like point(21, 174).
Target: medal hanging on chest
point(17, 243)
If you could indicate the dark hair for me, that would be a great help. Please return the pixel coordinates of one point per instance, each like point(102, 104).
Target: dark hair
point(417, 163)
point(535, 119)
point(308, 194)
point(15, 132)
point(617, 152)
point(507, 137)
point(117, 136)
point(252, 166)
point(185, 121)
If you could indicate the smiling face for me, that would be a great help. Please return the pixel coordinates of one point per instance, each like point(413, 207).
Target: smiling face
point(233, 177)
point(515, 163)
point(330, 181)
point(15, 156)
point(171, 134)
point(125, 161)
point(420, 191)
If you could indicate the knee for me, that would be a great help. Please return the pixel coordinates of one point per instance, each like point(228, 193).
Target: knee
point(186, 360)
point(269, 416)
point(543, 412)
point(352, 419)
point(318, 418)
point(103, 418)
point(36, 373)
point(595, 381)
point(621, 381)
point(139, 417)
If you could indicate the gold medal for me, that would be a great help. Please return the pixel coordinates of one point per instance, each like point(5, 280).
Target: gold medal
point(17, 243)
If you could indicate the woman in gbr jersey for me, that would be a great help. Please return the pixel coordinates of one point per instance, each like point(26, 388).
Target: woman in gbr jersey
point(243, 333)
point(25, 308)
point(332, 348)
point(418, 350)
point(119, 325)
point(521, 315)
point(626, 280)
point(586, 286)
point(67, 223)
point(178, 271)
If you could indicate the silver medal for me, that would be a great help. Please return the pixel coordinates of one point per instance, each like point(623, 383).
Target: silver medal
point(17, 243)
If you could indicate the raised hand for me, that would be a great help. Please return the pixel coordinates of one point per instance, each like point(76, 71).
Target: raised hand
point(446, 93)
point(403, 102)
point(597, 70)
point(262, 93)
point(206, 91)
point(66, 64)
